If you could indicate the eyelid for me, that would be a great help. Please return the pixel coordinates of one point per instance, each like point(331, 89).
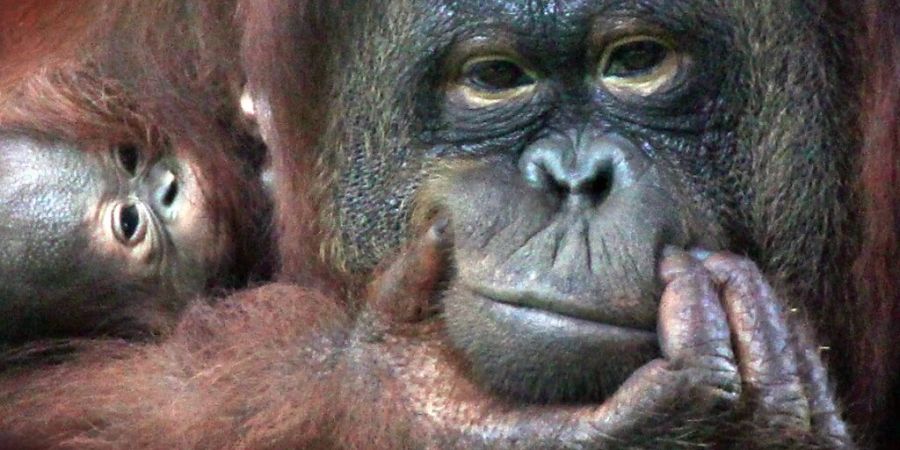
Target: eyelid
point(609, 29)
point(615, 45)
point(483, 99)
point(493, 41)
point(662, 77)
point(479, 50)
point(498, 57)
point(467, 64)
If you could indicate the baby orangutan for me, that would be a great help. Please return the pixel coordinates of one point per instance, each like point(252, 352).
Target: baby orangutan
point(110, 223)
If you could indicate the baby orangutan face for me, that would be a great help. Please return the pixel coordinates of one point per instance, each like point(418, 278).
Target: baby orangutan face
point(99, 240)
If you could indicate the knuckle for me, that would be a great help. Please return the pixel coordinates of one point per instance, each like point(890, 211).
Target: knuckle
point(717, 375)
point(675, 272)
point(738, 268)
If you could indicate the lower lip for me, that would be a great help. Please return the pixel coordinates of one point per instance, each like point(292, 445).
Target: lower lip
point(543, 321)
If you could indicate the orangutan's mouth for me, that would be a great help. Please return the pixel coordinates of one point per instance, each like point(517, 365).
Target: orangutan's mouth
point(548, 303)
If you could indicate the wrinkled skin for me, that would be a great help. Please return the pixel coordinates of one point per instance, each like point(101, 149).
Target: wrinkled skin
point(568, 144)
point(726, 342)
point(98, 241)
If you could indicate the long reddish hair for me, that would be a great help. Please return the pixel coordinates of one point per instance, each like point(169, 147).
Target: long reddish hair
point(876, 270)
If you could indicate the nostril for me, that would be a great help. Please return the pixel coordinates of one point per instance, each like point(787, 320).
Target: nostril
point(585, 171)
point(543, 168)
point(556, 188)
point(589, 175)
point(539, 175)
point(170, 194)
point(597, 187)
point(167, 189)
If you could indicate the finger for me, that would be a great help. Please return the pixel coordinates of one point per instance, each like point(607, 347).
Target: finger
point(659, 404)
point(763, 343)
point(693, 328)
point(697, 362)
point(634, 411)
point(404, 290)
point(824, 414)
point(698, 365)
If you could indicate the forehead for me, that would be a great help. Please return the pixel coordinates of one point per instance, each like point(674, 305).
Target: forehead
point(46, 165)
point(560, 25)
point(45, 183)
point(557, 30)
point(527, 14)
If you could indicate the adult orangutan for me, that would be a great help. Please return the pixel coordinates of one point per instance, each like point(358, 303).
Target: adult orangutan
point(626, 225)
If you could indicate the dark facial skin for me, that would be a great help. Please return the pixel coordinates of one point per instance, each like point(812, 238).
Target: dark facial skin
point(567, 145)
point(735, 369)
point(97, 241)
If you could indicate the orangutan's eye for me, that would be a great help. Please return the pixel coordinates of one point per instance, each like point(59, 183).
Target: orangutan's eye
point(639, 65)
point(128, 157)
point(488, 80)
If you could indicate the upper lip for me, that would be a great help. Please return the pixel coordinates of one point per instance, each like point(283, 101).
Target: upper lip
point(551, 302)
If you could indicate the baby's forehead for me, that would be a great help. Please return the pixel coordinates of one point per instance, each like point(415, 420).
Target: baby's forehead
point(47, 187)
point(38, 161)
